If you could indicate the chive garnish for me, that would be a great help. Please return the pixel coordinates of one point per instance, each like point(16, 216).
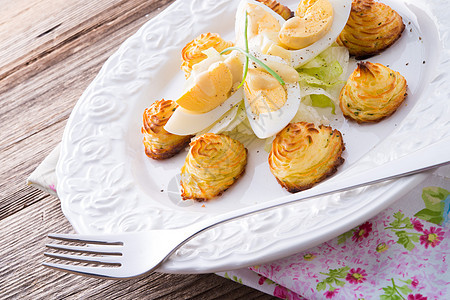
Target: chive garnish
point(266, 67)
point(246, 49)
point(250, 56)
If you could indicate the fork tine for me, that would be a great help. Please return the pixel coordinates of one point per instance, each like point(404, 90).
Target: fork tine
point(88, 239)
point(108, 250)
point(110, 260)
point(86, 271)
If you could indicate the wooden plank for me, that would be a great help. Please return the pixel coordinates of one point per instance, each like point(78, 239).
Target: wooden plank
point(19, 200)
point(33, 112)
point(23, 277)
point(112, 27)
point(32, 29)
point(17, 161)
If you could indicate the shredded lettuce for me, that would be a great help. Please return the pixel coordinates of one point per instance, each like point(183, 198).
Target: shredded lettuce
point(242, 131)
point(240, 116)
point(328, 56)
point(322, 78)
point(323, 101)
point(232, 118)
point(268, 143)
point(325, 75)
point(244, 127)
point(308, 113)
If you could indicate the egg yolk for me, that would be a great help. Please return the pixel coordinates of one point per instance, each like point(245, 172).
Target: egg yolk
point(210, 89)
point(260, 21)
point(265, 26)
point(235, 65)
point(312, 21)
point(264, 93)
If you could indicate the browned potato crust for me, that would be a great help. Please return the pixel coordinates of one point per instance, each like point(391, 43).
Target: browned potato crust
point(160, 144)
point(279, 8)
point(371, 28)
point(303, 155)
point(192, 52)
point(213, 164)
point(372, 93)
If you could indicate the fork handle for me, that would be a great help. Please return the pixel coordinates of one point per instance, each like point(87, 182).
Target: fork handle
point(433, 156)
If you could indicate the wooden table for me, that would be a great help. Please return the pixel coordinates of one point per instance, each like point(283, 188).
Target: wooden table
point(50, 50)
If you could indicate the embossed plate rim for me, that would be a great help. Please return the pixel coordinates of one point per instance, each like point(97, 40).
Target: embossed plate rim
point(85, 143)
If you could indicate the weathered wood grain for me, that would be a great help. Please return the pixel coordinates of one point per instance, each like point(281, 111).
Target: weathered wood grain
point(33, 101)
point(93, 41)
point(35, 29)
point(17, 161)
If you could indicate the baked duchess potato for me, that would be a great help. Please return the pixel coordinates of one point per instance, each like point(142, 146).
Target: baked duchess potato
point(213, 164)
point(372, 93)
point(303, 154)
point(371, 28)
point(160, 144)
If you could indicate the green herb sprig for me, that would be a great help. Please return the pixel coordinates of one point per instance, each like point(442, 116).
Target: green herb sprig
point(246, 50)
point(250, 56)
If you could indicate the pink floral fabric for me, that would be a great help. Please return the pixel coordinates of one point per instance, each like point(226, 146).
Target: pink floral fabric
point(402, 253)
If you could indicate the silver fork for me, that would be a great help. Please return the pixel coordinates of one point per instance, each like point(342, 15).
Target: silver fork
point(133, 254)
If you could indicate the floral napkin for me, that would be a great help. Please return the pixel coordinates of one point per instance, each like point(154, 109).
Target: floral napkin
point(402, 253)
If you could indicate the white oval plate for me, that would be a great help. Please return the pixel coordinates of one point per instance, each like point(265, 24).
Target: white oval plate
point(107, 184)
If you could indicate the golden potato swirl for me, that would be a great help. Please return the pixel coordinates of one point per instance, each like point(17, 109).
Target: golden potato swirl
point(160, 144)
point(303, 155)
point(371, 28)
point(192, 52)
point(372, 93)
point(213, 164)
point(279, 8)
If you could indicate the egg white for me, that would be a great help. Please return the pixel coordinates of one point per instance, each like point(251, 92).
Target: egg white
point(184, 122)
point(267, 124)
point(341, 12)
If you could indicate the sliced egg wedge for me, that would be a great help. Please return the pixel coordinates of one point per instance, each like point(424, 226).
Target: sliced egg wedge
point(265, 27)
point(185, 121)
point(210, 89)
point(270, 106)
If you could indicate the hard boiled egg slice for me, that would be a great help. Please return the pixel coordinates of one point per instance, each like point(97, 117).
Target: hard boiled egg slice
point(212, 81)
point(315, 27)
point(270, 105)
point(210, 92)
point(184, 122)
point(210, 89)
point(312, 20)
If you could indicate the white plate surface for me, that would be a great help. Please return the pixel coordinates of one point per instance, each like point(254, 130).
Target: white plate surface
point(106, 183)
